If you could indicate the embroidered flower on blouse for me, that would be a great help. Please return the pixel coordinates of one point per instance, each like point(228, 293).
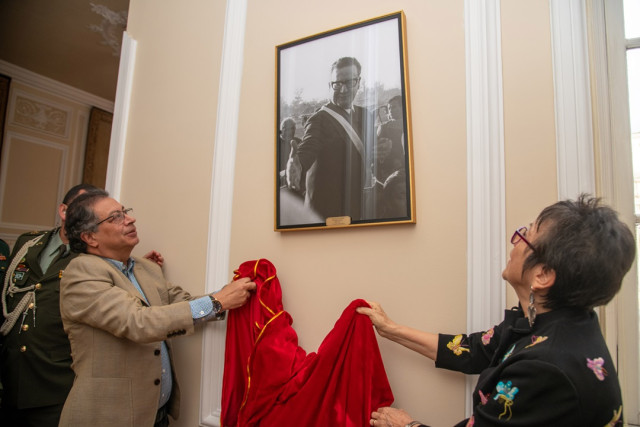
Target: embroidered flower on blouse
point(508, 353)
point(536, 340)
point(455, 345)
point(506, 393)
point(486, 337)
point(616, 418)
point(596, 366)
point(484, 398)
point(471, 421)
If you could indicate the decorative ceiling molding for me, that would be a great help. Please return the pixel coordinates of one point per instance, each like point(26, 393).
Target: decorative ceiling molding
point(55, 87)
point(111, 28)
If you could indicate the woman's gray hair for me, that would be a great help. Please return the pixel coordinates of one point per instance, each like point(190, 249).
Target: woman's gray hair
point(589, 248)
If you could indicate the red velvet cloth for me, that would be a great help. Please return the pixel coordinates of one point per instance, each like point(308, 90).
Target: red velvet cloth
point(270, 381)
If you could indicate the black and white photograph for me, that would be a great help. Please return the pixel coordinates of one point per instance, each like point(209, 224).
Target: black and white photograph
point(343, 140)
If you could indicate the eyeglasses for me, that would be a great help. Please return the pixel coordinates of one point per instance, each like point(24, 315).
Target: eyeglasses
point(349, 84)
point(117, 217)
point(519, 235)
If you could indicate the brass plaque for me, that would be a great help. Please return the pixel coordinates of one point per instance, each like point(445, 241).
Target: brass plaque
point(338, 220)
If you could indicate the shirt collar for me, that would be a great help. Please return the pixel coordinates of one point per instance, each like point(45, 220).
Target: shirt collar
point(55, 241)
point(520, 323)
point(339, 108)
point(125, 268)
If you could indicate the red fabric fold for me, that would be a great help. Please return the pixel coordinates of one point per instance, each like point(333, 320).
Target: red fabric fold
point(271, 381)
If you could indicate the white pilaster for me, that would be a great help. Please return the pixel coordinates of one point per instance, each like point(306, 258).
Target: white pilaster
point(224, 159)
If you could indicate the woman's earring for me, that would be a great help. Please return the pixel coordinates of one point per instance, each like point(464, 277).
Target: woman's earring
point(532, 309)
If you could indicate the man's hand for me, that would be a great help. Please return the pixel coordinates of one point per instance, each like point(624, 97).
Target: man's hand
point(294, 167)
point(155, 257)
point(235, 294)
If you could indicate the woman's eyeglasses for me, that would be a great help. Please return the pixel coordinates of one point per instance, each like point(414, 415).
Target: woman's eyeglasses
point(519, 235)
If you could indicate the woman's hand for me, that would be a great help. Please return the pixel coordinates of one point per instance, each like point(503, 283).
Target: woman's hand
point(378, 317)
point(390, 417)
point(155, 257)
point(424, 343)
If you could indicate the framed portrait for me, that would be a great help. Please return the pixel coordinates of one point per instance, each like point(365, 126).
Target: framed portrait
point(343, 129)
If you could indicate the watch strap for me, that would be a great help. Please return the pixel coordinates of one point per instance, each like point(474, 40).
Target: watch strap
point(218, 312)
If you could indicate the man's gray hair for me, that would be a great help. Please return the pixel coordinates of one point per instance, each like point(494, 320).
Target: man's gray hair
point(81, 219)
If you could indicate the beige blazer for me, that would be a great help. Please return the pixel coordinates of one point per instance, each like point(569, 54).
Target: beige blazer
point(115, 341)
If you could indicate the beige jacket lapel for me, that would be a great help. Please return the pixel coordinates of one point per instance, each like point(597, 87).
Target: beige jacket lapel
point(147, 283)
point(123, 282)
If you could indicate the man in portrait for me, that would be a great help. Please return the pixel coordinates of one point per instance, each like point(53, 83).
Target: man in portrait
point(336, 149)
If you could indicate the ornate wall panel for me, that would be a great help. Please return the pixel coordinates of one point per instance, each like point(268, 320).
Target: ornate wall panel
point(41, 116)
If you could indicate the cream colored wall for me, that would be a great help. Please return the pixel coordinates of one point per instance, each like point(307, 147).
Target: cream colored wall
point(418, 272)
point(411, 270)
point(529, 131)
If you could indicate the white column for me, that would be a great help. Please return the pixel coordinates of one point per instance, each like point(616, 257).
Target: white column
point(121, 117)
point(574, 132)
point(224, 159)
point(485, 170)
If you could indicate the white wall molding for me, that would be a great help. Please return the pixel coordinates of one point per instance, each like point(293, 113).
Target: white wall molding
point(30, 78)
point(485, 170)
point(220, 212)
point(574, 132)
point(120, 123)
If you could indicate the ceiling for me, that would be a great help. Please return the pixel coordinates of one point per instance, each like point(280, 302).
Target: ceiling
point(76, 42)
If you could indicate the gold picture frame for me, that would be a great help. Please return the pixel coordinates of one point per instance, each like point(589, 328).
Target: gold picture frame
point(343, 146)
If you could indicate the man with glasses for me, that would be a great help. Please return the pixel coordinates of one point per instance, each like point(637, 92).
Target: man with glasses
point(35, 359)
point(333, 152)
point(119, 312)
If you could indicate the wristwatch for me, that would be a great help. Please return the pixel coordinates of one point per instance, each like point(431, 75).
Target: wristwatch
point(217, 306)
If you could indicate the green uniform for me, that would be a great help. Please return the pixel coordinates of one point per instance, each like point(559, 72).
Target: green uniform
point(4, 259)
point(35, 361)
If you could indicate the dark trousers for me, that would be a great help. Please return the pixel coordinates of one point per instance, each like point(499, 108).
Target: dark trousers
point(162, 417)
point(43, 416)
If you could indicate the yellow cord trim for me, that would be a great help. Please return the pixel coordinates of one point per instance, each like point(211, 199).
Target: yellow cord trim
point(267, 307)
point(246, 394)
point(262, 329)
point(255, 267)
